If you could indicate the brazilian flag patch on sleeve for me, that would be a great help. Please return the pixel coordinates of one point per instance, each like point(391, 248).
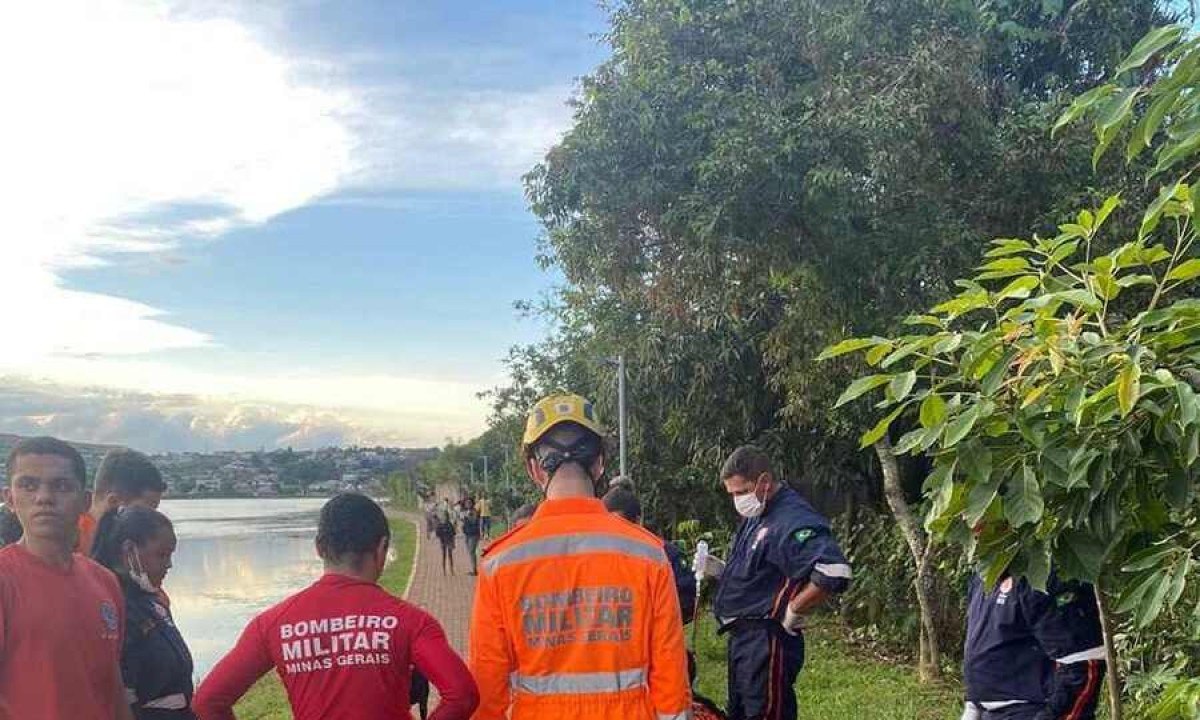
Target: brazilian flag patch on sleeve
point(802, 535)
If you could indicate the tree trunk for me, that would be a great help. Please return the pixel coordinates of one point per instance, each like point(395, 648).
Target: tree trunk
point(1116, 711)
point(930, 666)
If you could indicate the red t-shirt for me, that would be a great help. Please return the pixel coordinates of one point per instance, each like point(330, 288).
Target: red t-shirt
point(60, 638)
point(344, 649)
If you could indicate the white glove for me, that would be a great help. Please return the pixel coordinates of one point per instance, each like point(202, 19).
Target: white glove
point(708, 566)
point(970, 712)
point(793, 622)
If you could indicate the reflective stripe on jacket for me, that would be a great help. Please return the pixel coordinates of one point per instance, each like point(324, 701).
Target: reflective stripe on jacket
point(576, 616)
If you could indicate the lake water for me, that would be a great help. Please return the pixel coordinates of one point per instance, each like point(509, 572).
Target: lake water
point(236, 558)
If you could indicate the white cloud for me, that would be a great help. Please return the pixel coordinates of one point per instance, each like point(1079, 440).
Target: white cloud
point(406, 413)
point(418, 139)
point(120, 114)
point(117, 110)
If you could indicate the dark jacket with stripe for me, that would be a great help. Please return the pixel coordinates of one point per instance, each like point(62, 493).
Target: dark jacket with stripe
point(1026, 646)
point(776, 554)
point(155, 661)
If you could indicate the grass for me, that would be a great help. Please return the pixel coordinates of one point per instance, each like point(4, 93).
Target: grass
point(267, 700)
point(839, 681)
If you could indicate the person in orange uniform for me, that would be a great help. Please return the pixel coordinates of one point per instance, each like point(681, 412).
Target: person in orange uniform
point(125, 478)
point(575, 612)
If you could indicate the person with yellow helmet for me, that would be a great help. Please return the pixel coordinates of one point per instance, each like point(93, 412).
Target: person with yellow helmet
point(575, 612)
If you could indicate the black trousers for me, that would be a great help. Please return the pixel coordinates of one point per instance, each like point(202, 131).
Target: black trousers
point(764, 662)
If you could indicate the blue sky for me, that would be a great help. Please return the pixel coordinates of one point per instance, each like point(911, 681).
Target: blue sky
point(274, 223)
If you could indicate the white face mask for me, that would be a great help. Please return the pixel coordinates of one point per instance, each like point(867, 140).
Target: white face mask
point(137, 573)
point(749, 505)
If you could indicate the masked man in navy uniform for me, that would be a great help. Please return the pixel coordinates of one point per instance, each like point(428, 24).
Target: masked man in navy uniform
point(784, 563)
point(1032, 655)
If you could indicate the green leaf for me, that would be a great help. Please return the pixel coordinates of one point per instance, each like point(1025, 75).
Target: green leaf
point(1188, 409)
point(1037, 566)
point(1006, 264)
point(929, 320)
point(1179, 580)
point(877, 353)
point(1152, 605)
point(1128, 387)
point(1110, 204)
point(1185, 271)
point(1132, 597)
point(901, 385)
point(958, 428)
point(976, 460)
point(848, 346)
point(876, 433)
point(1153, 213)
point(862, 386)
point(1128, 281)
point(1082, 104)
point(999, 564)
point(933, 410)
point(1019, 288)
point(1148, 46)
point(1145, 130)
point(979, 499)
point(1146, 559)
point(1023, 503)
point(1081, 555)
point(1081, 299)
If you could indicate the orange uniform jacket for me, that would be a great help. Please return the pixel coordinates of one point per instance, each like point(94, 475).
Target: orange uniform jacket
point(576, 617)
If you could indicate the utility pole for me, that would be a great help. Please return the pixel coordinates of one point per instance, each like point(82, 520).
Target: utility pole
point(621, 413)
point(485, 475)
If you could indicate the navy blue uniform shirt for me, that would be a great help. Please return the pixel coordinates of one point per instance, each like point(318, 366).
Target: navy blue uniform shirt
point(685, 581)
point(1040, 648)
point(776, 554)
point(155, 662)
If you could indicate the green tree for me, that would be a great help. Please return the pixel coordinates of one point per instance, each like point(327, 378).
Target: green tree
point(747, 181)
point(1057, 391)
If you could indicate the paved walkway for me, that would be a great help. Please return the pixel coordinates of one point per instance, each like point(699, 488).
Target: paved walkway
point(446, 597)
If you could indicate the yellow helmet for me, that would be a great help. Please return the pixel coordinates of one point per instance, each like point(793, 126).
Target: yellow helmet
point(555, 410)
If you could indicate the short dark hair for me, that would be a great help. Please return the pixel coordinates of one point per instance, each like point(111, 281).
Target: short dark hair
point(10, 526)
point(748, 461)
point(47, 446)
point(583, 444)
point(128, 473)
point(138, 524)
point(351, 526)
point(620, 499)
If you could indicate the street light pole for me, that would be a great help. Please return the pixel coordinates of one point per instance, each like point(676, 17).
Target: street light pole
point(621, 412)
point(485, 475)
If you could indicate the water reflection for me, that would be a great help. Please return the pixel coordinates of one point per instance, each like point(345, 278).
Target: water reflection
point(235, 558)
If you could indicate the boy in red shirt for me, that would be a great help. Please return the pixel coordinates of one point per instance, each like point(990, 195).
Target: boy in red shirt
point(61, 615)
point(344, 647)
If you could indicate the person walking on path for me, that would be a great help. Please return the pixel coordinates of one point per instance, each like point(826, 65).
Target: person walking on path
point(136, 544)
point(62, 615)
point(344, 647)
point(485, 516)
point(446, 532)
point(471, 527)
point(621, 654)
point(784, 563)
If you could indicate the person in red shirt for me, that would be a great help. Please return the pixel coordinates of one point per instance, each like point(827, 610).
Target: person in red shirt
point(62, 616)
point(344, 647)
